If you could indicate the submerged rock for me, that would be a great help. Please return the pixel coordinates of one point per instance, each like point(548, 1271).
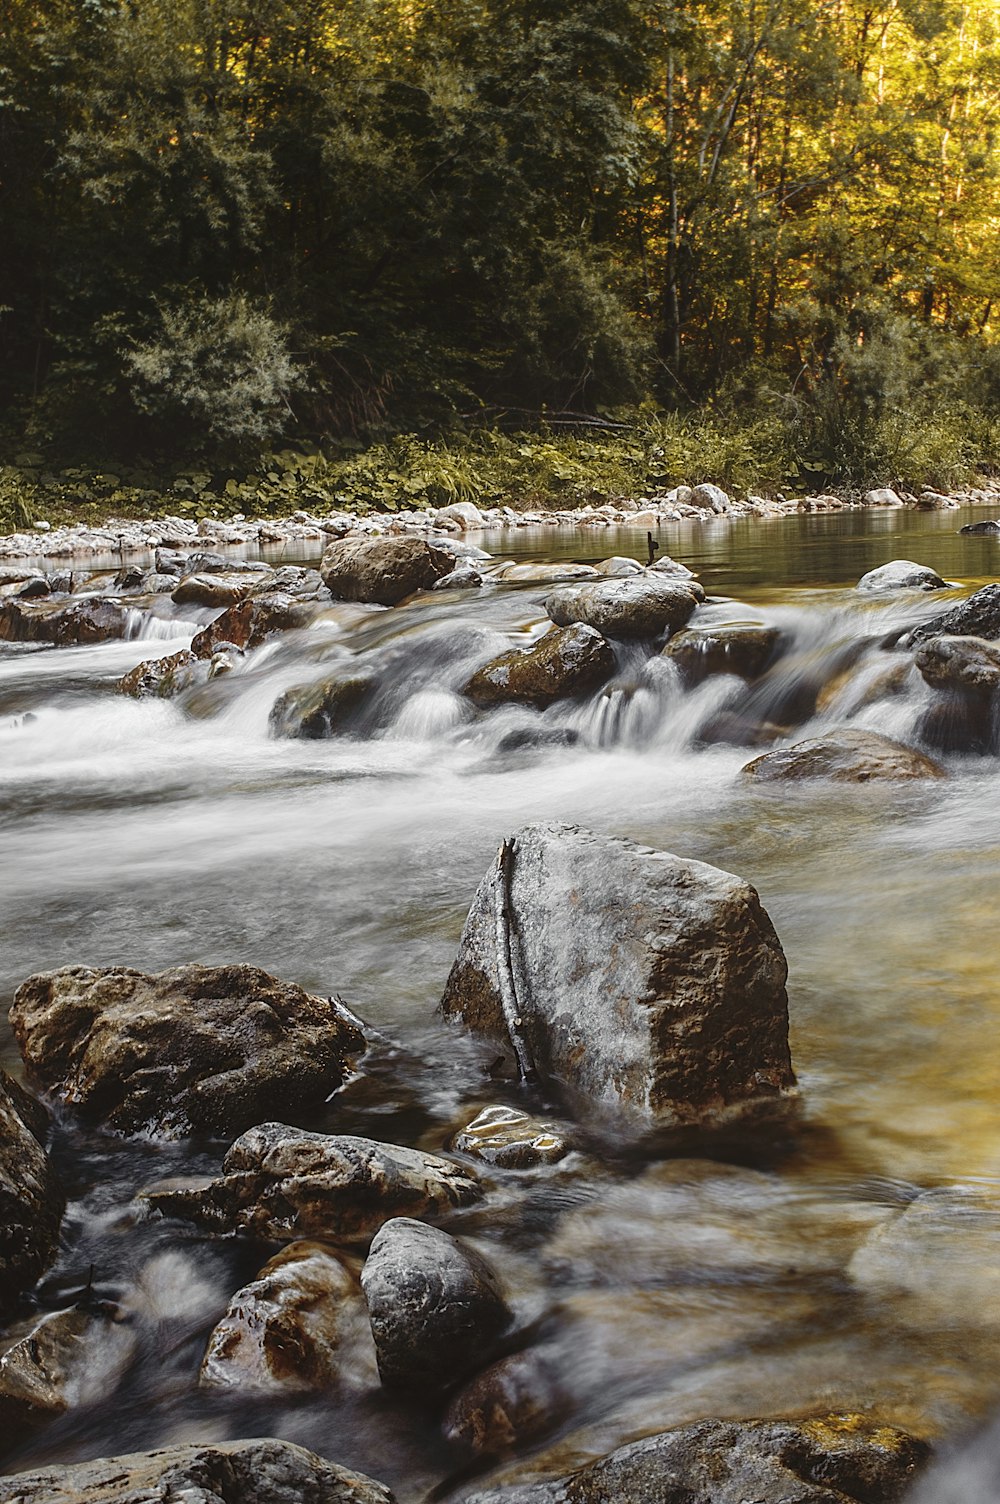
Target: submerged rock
point(989, 526)
point(510, 1139)
point(644, 981)
point(836, 1459)
point(282, 1183)
point(31, 1202)
point(310, 712)
point(625, 608)
point(619, 568)
point(79, 623)
point(435, 1304)
point(969, 665)
point(198, 1049)
point(566, 661)
point(511, 1404)
point(843, 756)
point(900, 574)
point(300, 1325)
point(68, 1358)
point(727, 649)
point(546, 574)
point(382, 570)
point(261, 1471)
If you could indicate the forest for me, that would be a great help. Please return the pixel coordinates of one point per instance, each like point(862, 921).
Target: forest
point(231, 225)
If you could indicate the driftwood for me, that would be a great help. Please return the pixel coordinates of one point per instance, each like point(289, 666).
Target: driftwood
point(503, 909)
point(653, 546)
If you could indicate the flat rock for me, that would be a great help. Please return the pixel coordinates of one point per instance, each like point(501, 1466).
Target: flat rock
point(382, 570)
point(282, 1183)
point(565, 662)
point(900, 574)
point(511, 1139)
point(843, 756)
point(31, 1202)
point(970, 665)
point(625, 608)
point(435, 1304)
point(251, 622)
point(831, 1460)
point(546, 574)
point(220, 589)
point(727, 649)
point(198, 1049)
point(300, 1325)
point(225, 1472)
point(644, 981)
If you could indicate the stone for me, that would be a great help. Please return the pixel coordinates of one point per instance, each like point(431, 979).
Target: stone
point(464, 576)
point(311, 712)
point(251, 622)
point(197, 1049)
point(67, 1358)
point(508, 1406)
point(625, 608)
point(664, 564)
point(283, 1183)
point(978, 616)
point(435, 1304)
point(882, 497)
point(619, 568)
point(652, 985)
point(163, 678)
point(220, 589)
point(565, 662)
point(708, 498)
point(835, 1459)
point(465, 513)
point(900, 574)
point(383, 571)
point(510, 1139)
point(967, 664)
point(300, 1325)
point(31, 1202)
point(259, 1471)
point(989, 526)
point(80, 623)
point(843, 756)
point(731, 648)
point(546, 574)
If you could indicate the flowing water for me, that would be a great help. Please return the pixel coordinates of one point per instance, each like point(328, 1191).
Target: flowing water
point(152, 833)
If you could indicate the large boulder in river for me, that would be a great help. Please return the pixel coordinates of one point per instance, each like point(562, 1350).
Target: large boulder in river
point(261, 1471)
point(900, 574)
point(282, 1183)
point(969, 665)
point(731, 648)
point(221, 588)
point(979, 616)
point(31, 1202)
point(836, 1459)
point(80, 623)
point(250, 622)
point(642, 607)
point(435, 1304)
point(300, 1325)
point(644, 981)
point(382, 570)
point(843, 756)
point(566, 661)
point(199, 1049)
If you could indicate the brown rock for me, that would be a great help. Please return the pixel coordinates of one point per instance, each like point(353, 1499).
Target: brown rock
point(728, 649)
point(251, 622)
point(221, 588)
point(79, 623)
point(311, 712)
point(31, 1202)
point(510, 1139)
point(162, 678)
point(566, 661)
point(843, 756)
point(967, 664)
point(382, 570)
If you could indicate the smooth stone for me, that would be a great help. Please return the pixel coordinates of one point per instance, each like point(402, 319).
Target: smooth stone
point(510, 1139)
point(625, 608)
point(250, 622)
point(709, 498)
point(435, 1304)
point(900, 574)
point(619, 568)
point(259, 1471)
point(843, 756)
point(67, 1359)
point(464, 576)
point(563, 663)
point(882, 496)
point(220, 589)
point(300, 1325)
point(650, 984)
point(989, 526)
point(312, 712)
point(31, 1201)
point(970, 665)
point(465, 513)
point(727, 649)
point(382, 570)
point(282, 1183)
point(508, 1406)
point(198, 1049)
point(545, 574)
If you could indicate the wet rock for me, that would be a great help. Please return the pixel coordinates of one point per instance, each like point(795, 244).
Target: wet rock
point(79, 623)
point(619, 568)
point(508, 1406)
point(989, 526)
point(727, 649)
point(435, 1304)
point(536, 738)
point(163, 678)
point(708, 498)
point(979, 616)
point(546, 574)
point(464, 576)
point(900, 574)
point(66, 1359)
point(882, 497)
point(31, 1202)
point(625, 608)
point(198, 1049)
point(644, 981)
point(734, 728)
point(664, 564)
point(251, 622)
point(301, 1325)
point(510, 1139)
point(33, 589)
point(220, 589)
point(960, 723)
point(225, 1472)
point(843, 756)
point(837, 1459)
point(382, 570)
point(311, 712)
point(297, 579)
point(855, 691)
point(565, 662)
point(282, 1183)
point(967, 664)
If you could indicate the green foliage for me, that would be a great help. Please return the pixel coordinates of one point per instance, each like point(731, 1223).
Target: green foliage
point(17, 501)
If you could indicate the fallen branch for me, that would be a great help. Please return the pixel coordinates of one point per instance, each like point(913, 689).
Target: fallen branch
point(505, 962)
